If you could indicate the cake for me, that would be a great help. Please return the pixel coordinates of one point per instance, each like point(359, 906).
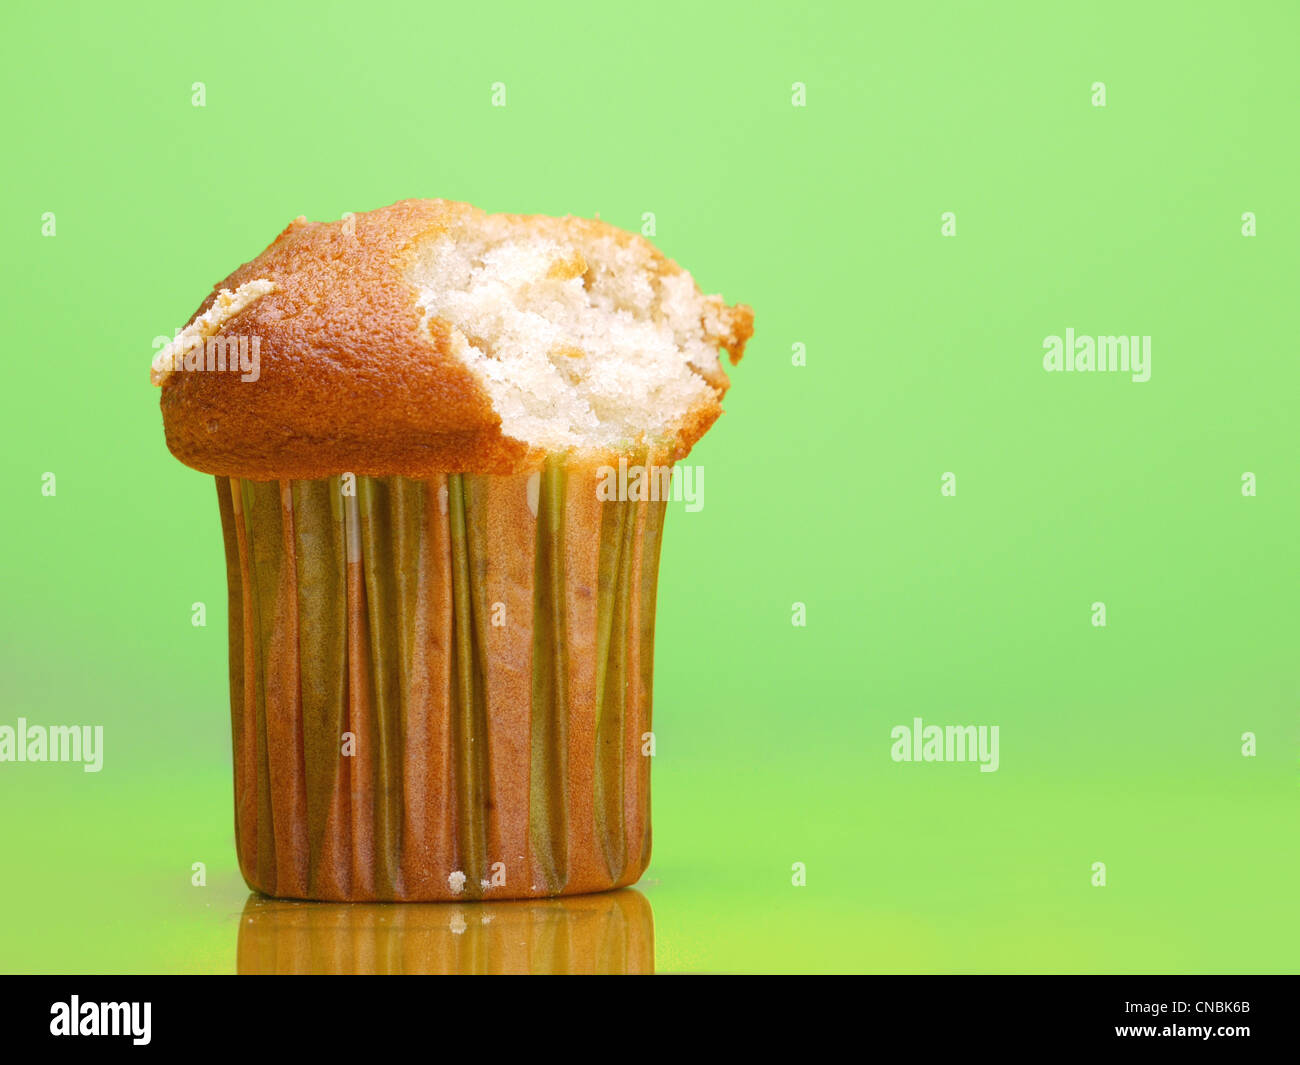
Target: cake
point(441, 601)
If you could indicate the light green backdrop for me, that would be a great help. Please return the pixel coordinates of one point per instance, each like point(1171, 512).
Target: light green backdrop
point(1120, 744)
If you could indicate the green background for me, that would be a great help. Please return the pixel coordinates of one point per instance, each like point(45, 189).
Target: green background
point(1119, 744)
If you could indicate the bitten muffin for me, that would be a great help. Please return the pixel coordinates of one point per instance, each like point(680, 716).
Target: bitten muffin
point(441, 608)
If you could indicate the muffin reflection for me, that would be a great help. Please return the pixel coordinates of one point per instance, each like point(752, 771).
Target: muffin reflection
point(610, 933)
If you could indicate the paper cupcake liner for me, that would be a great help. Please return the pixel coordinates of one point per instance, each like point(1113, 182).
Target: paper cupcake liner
point(606, 934)
point(440, 689)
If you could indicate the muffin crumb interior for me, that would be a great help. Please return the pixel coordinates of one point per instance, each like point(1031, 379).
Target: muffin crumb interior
point(581, 340)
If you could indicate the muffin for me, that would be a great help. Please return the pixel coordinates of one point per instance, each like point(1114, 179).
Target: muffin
point(608, 934)
point(442, 443)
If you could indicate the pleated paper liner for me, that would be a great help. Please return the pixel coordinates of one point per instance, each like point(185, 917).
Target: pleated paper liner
point(612, 933)
point(440, 688)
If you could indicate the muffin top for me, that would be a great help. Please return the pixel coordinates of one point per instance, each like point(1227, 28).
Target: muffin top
point(431, 337)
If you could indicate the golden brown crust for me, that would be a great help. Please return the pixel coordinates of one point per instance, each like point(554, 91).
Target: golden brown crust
point(349, 378)
point(741, 322)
